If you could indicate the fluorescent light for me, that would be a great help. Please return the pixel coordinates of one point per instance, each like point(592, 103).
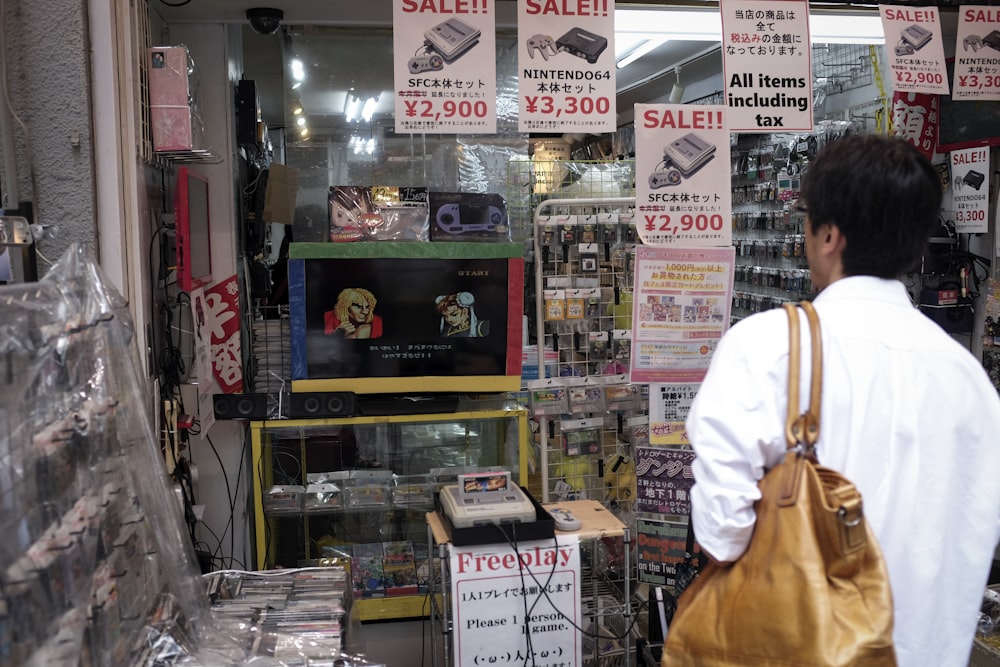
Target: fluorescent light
point(368, 109)
point(298, 69)
point(832, 27)
point(352, 108)
point(638, 52)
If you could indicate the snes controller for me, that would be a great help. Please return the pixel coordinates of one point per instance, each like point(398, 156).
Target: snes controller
point(904, 49)
point(449, 220)
point(564, 519)
point(425, 63)
point(544, 44)
point(973, 42)
point(658, 179)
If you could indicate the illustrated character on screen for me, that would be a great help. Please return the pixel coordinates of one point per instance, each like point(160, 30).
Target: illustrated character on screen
point(458, 316)
point(354, 315)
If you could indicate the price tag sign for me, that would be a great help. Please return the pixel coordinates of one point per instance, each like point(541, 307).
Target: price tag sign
point(916, 51)
point(977, 54)
point(970, 184)
point(682, 157)
point(566, 66)
point(445, 67)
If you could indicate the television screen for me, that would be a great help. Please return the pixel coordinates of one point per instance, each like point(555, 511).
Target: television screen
point(194, 251)
point(391, 317)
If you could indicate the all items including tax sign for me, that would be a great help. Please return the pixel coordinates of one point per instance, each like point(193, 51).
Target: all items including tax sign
point(445, 67)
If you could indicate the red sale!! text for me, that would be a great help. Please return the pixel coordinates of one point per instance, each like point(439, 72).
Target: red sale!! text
point(446, 6)
point(529, 558)
point(568, 7)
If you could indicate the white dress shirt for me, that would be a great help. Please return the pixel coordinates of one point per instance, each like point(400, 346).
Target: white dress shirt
point(908, 415)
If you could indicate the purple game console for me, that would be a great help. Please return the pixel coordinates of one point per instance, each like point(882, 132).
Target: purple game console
point(463, 218)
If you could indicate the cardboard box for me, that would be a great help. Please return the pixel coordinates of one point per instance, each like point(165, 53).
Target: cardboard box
point(279, 200)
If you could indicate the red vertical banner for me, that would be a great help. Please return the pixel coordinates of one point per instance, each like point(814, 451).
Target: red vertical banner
point(915, 118)
point(223, 316)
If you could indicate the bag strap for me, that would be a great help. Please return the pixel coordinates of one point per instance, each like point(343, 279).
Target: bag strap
point(802, 430)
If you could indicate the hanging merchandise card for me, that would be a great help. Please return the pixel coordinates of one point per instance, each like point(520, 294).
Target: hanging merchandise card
point(970, 189)
point(767, 65)
point(977, 54)
point(681, 309)
point(682, 157)
point(445, 67)
point(915, 49)
point(566, 66)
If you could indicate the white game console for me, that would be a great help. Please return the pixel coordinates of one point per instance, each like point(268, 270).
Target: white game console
point(451, 38)
point(485, 498)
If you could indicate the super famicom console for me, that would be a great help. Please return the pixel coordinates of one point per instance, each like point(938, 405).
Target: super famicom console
point(681, 158)
point(451, 38)
point(486, 498)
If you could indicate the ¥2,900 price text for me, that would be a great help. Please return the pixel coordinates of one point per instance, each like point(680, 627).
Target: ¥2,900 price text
point(570, 105)
point(933, 78)
point(445, 109)
point(685, 223)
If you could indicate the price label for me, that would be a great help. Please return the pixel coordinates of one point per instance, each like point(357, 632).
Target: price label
point(569, 105)
point(977, 82)
point(438, 110)
point(675, 224)
point(974, 215)
point(909, 76)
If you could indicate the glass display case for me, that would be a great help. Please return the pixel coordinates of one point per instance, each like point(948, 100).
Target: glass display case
point(358, 489)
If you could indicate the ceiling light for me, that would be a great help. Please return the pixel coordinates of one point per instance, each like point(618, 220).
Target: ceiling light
point(642, 49)
point(369, 109)
point(297, 108)
point(298, 69)
point(304, 132)
point(301, 120)
point(352, 107)
point(296, 85)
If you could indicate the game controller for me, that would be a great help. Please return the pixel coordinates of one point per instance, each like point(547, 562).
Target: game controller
point(449, 219)
point(904, 49)
point(658, 179)
point(420, 64)
point(973, 42)
point(564, 519)
point(544, 44)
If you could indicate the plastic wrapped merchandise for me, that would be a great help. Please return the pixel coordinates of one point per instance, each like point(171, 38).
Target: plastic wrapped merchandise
point(173, 101)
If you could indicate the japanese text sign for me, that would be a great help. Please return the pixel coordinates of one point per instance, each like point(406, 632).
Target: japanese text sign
point(222, 312)
point(915, 48)
point(915, 118)
point(663, 480)
point(493, 586)
point(661, 546)
point(566, 65)
point(977, 54)
point(445, 66)
point(683, 196)
point(767, 65)
point(970, 184)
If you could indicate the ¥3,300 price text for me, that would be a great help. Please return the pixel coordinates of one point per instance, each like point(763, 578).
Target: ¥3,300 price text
point(567, 105)
point(685, 223)
point(933, 78)
point(976, 82)
point(438, 109)
point(973, 215)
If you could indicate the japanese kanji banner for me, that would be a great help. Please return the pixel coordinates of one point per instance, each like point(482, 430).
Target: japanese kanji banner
point(915, 49)
point(682, 178)
point(767, 65)
point(977, 54)
point(566, 66)
point(915, 118)
point(663, 480)
point(493, 585)
point(445, 67)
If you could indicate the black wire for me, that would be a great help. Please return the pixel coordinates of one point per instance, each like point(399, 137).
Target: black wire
point(229, 496)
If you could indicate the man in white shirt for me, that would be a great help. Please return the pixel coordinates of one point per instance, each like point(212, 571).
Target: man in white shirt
point(908, 414)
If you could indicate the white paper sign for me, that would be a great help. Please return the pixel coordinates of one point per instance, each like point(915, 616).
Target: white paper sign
point(566, 65)
point(977, 62)
point(682, 175)
point(767, 65)
point(915, 49)
point(492, 586)
point(970, 182)
point(202, 329)
point(445, 67)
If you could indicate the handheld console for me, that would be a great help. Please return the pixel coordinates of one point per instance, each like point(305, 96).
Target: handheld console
point(486, 498)
point(452, 38)
point(462, 218)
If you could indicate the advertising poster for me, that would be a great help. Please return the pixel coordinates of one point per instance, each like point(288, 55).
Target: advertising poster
point(445, 67)
point(970, 185)
point(767, 65)
point(493, 586)
point(680, 310)
point(977, 54)
point(222, 314)
point(682, 179)
point(915, 49)
point(663, 480)
point(915, 118)
point(661, 548)
point(669, 405)
point(566, 66)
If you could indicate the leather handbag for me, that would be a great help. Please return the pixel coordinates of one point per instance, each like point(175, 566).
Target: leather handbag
point(812, 587)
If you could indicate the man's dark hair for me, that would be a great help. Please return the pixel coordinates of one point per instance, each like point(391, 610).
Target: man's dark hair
point(883, 194)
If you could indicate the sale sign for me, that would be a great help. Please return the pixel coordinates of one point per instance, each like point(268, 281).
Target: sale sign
point(445, 66)
point(916, 50)
point(681, 157)
point(970, 184)
point(767, 65)
point(977, 60)
point(566, 65)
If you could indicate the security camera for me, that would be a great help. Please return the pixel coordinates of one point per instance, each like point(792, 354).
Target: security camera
point(265, 20)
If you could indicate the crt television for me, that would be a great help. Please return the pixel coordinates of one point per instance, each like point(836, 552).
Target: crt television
point(391, 317)
point(194, 249)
